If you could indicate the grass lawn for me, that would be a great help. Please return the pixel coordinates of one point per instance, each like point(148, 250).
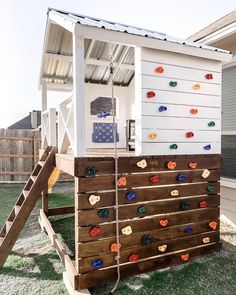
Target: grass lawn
point(35, 268)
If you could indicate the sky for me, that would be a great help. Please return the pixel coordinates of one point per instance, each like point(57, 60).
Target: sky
point(22, 27)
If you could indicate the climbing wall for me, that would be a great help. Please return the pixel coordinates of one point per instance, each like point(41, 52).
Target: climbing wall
point(169, 213)
point(178, 104)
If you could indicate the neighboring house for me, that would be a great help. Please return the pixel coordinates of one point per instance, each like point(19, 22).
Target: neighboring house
point(222, 34)
point(32, 121)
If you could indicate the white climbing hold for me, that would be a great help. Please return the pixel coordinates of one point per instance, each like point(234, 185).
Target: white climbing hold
point(174, 193)
point(206, 240)
point(127, 230)
point(162, 248)
point(206, 173)
point(142, 164)
point(93, 199)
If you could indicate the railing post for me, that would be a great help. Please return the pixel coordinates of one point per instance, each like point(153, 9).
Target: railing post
point(52, 127)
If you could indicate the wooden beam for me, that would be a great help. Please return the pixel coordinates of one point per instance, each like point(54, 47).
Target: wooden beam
point(69, 288)
point(45, 200)
point(61, 211)
point(79, 96)
point(135, 40)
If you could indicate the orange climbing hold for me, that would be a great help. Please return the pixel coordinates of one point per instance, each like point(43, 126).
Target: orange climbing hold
point(152, 135)
point(185, 257)
point(192, 165)
point(213, 225)
point(194, 111)
point(164, 222)
point(115, 247)
point(197, 86)
point(159, 70)
point(171, 165)
point(121, 181)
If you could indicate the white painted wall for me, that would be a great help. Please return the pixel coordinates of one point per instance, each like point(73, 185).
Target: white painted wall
point(172, 125)
point(124, 109)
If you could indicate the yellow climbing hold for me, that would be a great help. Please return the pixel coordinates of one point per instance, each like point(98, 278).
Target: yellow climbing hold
point(196, 86)
point(152, 135)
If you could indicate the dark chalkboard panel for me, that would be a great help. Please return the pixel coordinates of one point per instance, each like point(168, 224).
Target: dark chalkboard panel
point(101, 104)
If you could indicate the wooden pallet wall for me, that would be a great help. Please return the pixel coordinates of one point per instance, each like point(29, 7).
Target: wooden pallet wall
point(166, 229)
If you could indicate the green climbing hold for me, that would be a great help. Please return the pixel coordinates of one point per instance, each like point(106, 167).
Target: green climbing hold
point(173, 83)
point(211, 124)
point(210, 188)
point(173, 146)
point(104, 213)
point(142, 209)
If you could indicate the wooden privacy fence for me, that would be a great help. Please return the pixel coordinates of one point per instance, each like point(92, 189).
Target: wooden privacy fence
point(168, 213)
point(18, 153)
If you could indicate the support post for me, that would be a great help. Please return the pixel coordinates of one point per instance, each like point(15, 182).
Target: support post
point(45, 200)
point(52, 125)
point(44, 103)
point(78, 95)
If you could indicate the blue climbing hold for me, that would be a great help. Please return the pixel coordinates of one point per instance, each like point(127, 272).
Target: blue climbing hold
point(91, 171)
point(185, 205)
point(188, 229)
point(103, 115)
point(207, 147)
point(162, 109)
point(131, 196)
point(96, 264)
point(181, 177)
point(147, 240)
point(104, 213)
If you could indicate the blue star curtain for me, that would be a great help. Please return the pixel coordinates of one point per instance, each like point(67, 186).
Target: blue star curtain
point(103, 133)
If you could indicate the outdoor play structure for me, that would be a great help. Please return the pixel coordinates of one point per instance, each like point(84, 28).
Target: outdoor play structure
point(145, 198)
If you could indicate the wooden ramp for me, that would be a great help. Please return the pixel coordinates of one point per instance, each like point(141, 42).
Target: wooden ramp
point(25, 203)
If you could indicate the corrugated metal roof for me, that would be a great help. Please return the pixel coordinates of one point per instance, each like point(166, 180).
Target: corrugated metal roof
point(57, 61)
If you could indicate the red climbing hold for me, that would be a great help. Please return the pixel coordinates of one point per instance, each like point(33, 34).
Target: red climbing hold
point(159, 70)
point(189, 134)
point(95, 231)
point(133, 257)
point(203, 204)
point(154, 179)
point(192, 165)
point(185, 257)
point(151, 94)
point(209, 76)
point(164, 222)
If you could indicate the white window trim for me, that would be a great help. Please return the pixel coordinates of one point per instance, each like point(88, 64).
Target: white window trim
point(228, 182)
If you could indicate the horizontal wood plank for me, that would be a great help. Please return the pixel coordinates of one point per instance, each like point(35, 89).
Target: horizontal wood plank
point(86, 217)
point(135, 239)
point(108, 230)
point(110, 274)
point(105, 165)
point(140, 180)
point(147, 251)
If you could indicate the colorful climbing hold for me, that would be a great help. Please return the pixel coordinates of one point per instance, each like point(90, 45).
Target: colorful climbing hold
point(93, 199)
point(91, 171)
point(142, 164)
point(131, 196)
point(152, 135)
point(181, 177)
point(121, 181)
point(154, 178)
point(96, 264)
point(115, 247)
point(188, 229)
point(194, 111)
point(103, 115)
point(210, 188)
point(171, 165)
point(206, 240)
point(151, 94)
point(207, 147)
point(104, 213)
point(162, 248)
point(133, 257)
point(213, 225)
point(142, 209)
point(209, 76)
point(184, 205)
point(203, 204)
point(205, 173)
point(159, 70)
point(196, 86)
point(185, 257)
point(189, 134)
point(173, 146)
point(164, 222)
point(211, 124)
point(95, 231)
point(127, 230)
point(162, 109)
point(147, 239)
point(174, 193)
point(192, 165)
point(173, 83)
